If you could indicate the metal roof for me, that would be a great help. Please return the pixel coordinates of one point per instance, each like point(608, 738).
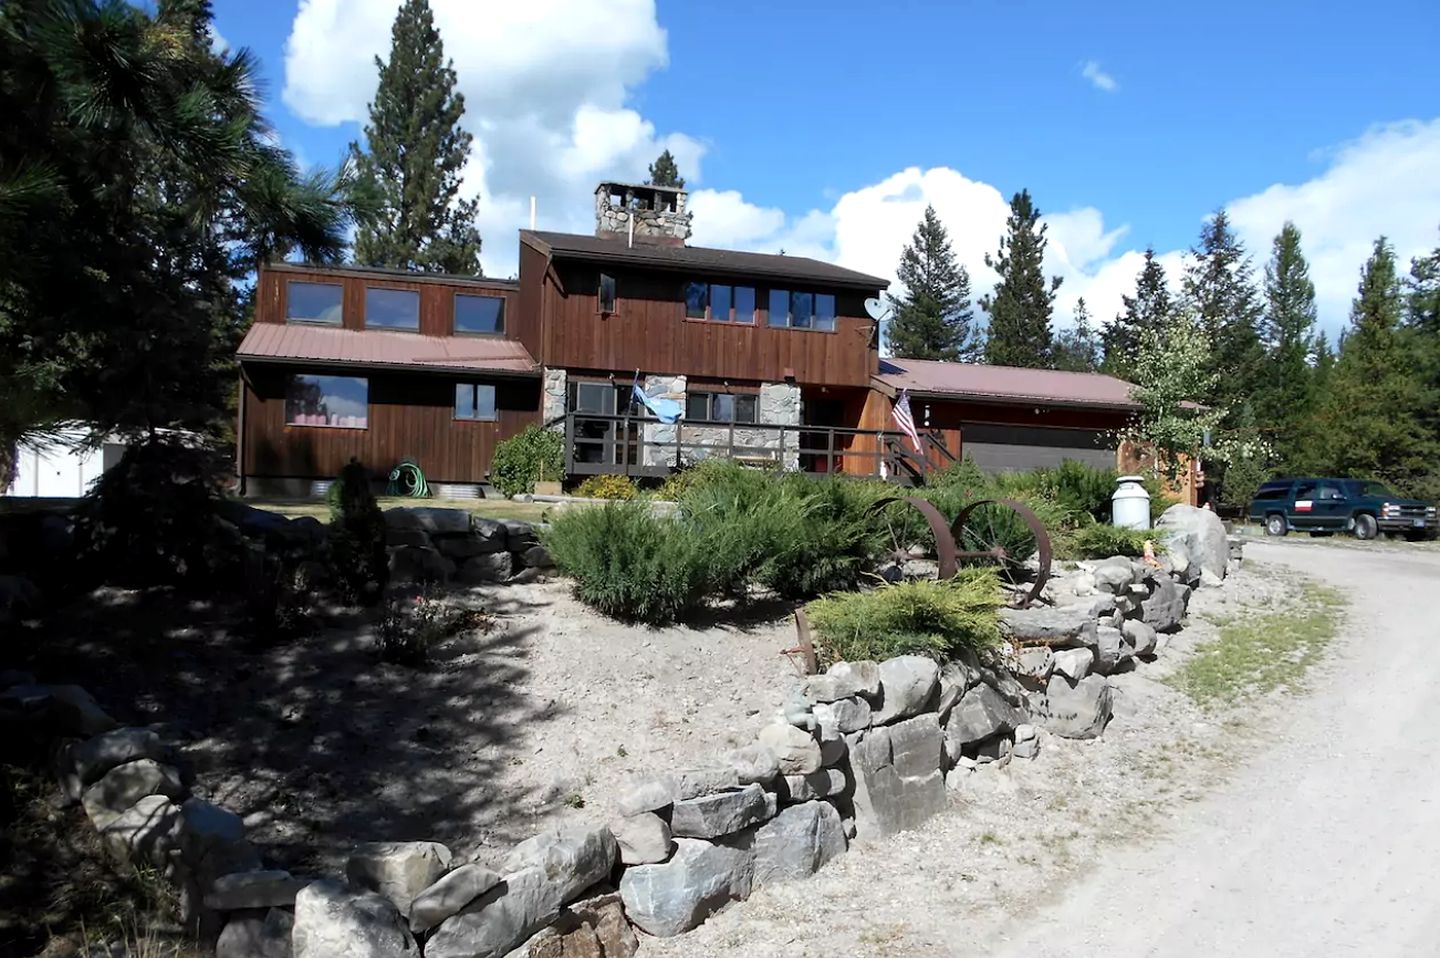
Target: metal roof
point(279, 342)
point(408, 275)
point(1006, 383)
point(699, 259)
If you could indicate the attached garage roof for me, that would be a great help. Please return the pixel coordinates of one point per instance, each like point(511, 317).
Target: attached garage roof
point(279, 342)
point(1009, 384)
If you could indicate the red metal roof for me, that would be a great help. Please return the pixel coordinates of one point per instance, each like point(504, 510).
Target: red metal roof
point(273, 342)
point(1005, 383)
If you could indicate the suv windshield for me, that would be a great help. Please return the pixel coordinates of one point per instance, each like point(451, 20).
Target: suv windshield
point(1376, 490)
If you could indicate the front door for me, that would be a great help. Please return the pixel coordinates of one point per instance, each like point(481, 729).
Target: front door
point(597, 440)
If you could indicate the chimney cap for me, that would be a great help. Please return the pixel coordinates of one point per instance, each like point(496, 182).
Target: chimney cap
point(608, 185)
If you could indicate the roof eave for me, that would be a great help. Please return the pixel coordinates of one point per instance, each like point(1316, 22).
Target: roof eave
point(858, 281)
point(532, 372)
point(1008, 400)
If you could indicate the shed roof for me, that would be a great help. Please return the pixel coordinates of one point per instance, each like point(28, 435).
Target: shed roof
point(1006, 383)
point(277, 342)
point(700, 259)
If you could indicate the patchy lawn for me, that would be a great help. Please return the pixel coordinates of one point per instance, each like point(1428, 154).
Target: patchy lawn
point(488, 508)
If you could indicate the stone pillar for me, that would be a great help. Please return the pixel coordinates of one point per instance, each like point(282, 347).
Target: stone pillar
point(671, 387)
point(554, 399)
point(780, 405)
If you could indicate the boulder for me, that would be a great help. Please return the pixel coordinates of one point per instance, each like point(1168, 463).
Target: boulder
point(397, 870)
point(258, 889)
point(75, 712)
point(849, 714)
point(93, 758)
point(956, 678)
point(449, 895)
point(264, 934)
point(907, 685)
point(700, 878)
point(490, 567)
point(1114, 575)
point(642, 839)
point(572, 859)
point(1077, 709)
point(333, 921)
point(898, 784)
point(694, 782)
point(1164, 610)
point(419, 564)
point(797, 843)
point(981, 713)
point(1111, 649)
point(124, 785)
point(798, 751)
point(501, 918)
point(754, 764)
point(807, 788)
point(535, 557)
point(150, 832)
point(1074, 664)
point(491, 533)
point(856, 678)
point(461, 548)
point(1140, 636)
point(407, 537)
point(1201, 535)
point(1065, 626)
point(996, 750)
point(519, 535)
point(593, 928)
point(1033, 665)
point(650, 795)
point(721, 814)
point(435, 521)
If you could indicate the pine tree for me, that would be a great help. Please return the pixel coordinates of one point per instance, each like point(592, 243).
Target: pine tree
point(1078, 348)
point(1021, 303)
point(1285, 393)
point(1147, 309)
point(664, 172)
point(410, 171)
point(1422, 335)
point(933, 320)
point(1219, 288)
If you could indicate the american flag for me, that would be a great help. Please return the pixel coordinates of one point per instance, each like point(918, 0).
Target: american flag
point(904, 418)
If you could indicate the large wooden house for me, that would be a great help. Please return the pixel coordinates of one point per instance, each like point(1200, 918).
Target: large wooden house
point(772, 358)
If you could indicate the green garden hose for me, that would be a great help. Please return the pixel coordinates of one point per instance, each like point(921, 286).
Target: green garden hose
point(407, 479)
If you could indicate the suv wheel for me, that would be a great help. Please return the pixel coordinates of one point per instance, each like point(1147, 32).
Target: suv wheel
point(1275, 525)
point(1365, 526)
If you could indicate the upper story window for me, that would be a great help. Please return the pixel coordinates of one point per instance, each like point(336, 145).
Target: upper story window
point(392, 309)
point(607, 293)
point(801, 310)
point(342, 401)
point(475, 402)
point(720, 303)
point(479, 314)
point(720, 407)
point(313, 302)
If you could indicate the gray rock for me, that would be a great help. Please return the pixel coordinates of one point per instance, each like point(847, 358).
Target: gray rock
point(460, 548)
point(797, 843)
point(491, 533)
point(1139, 636)
point(214, 843)
point(490, 567)
point(332, 921)
point(996, 750)
point(1033, 665)
point(754, 764)
point(1027, 749)
point(257, 935)
point(1199, 533)
point(397, 870)
point(824, 688)
point(650, 795)
point(643, 839)
point(445, 522)
point(807, 788)
point(519, 534)
point(535, 557)
point(956, 678)
point(1114, 575)
point(980, 714)
point(1077, 709)
point(124, 785)
point(593, 928)
point(1164, 610)
point(149, 832)
point(721, 814)
point(503, 917)
point(260, 889)
point(95, 757)
point(572, 859)
point(850, 714)
point(695, 782)
point(1070, 625)
point(450, 895)
point(669, 899)
point(898, 784)
point(77, 713)
point(1110, 650)
point(857, 678)
point(798, 751)
point(419, 564)
point(907, 685)
point(395, 537)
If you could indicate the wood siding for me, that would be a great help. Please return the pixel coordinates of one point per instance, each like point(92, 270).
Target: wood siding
point(410, 416)
point(649, 331)
point(437, 296)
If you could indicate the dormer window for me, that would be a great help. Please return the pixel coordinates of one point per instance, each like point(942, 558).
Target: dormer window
point(607, 293)
point(392, 309)
point(313, 303)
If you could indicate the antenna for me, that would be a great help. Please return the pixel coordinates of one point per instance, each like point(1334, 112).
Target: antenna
point(877, 309)
point(532, 211)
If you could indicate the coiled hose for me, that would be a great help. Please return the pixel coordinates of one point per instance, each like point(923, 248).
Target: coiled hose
point(407, 479)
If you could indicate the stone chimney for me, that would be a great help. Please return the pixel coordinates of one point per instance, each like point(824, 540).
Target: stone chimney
point(656, 214)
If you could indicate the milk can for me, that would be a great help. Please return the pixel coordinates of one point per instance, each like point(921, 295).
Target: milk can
point(1130, 505)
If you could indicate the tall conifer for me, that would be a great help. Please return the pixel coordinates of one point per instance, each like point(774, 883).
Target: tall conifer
point(933, 319)
point(1022, 301)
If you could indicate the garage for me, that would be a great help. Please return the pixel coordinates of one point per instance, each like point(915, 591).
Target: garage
point(1007, 448)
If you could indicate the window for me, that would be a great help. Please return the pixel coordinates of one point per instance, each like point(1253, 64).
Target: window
point(607, 293)
point(342, 401)
point(697, 296)
point(479, 314)
point(720, 297)
point(744, 304)
point(800, 310)
point(720, 407)
point(313, 303)
point(1376, 490)
point(720, 303)
point(1271, 494)
point(475, 401)
point(392, 309)
point(1330, 491)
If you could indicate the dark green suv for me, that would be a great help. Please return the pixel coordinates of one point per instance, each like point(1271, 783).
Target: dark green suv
point(1321, 506)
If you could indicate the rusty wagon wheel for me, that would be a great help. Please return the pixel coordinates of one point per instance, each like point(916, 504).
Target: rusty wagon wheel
point(900, 532)
point(1007, 533)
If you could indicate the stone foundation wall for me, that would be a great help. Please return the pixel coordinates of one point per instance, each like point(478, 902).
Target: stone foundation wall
point(554, 396)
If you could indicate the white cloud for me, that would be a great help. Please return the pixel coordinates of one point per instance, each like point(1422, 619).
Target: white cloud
point(1098, 78)
point(546, 85)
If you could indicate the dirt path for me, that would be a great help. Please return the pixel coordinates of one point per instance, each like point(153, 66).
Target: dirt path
point(1328, 842)
point(1310, 831)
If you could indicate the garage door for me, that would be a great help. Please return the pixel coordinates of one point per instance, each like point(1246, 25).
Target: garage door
point(1015, 448)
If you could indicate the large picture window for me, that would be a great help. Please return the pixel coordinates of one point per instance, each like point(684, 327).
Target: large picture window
point(475, 402)
point(392, 309)
point(720, 407)
point(802, 310)
point(313, 303)
point(719, 302)
point(337, 401)
point(479, 314)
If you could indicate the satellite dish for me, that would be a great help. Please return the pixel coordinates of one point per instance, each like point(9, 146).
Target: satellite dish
point(877, 309)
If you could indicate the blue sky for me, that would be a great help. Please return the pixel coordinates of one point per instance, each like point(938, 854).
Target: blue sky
point(824, 127)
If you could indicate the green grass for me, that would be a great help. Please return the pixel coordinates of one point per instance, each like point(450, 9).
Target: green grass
point(1255, 654)
point(488, 508)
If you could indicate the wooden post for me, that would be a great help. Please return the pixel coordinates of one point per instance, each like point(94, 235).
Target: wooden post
point(569, 443)
point(830, 455)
